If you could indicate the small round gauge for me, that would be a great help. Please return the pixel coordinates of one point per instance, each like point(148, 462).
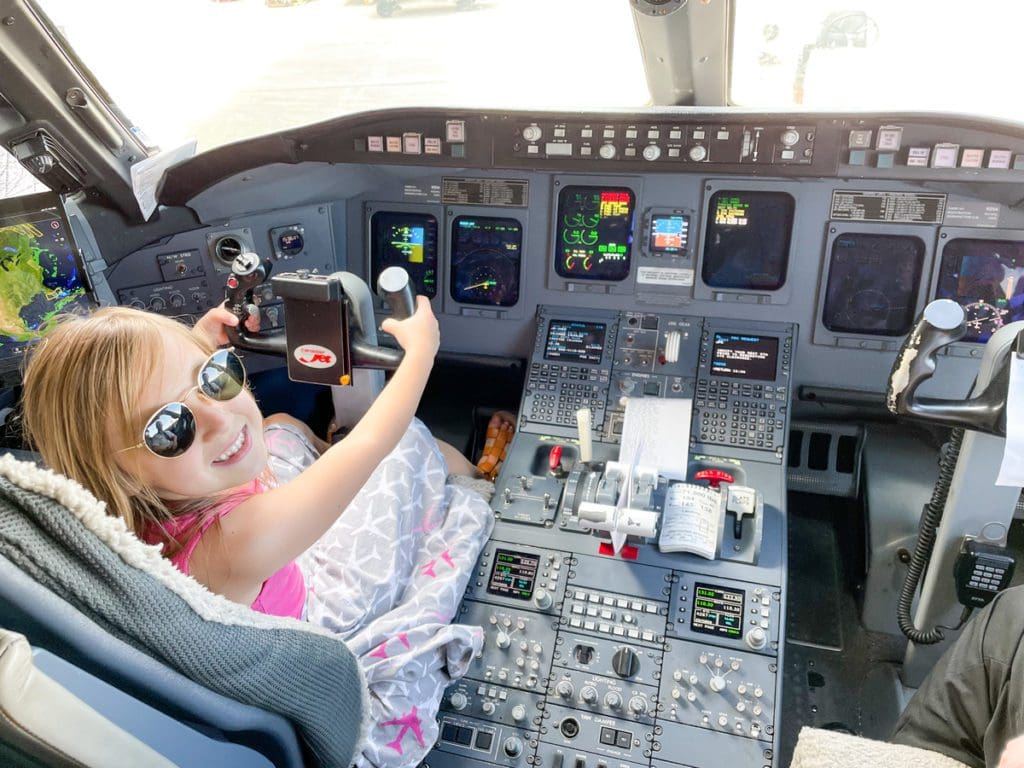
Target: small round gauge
point(290, 243)
point(983, 319)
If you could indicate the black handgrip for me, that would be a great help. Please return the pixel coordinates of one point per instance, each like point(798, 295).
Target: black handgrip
point(395, 287)
point(941, 323)
point(247, 272)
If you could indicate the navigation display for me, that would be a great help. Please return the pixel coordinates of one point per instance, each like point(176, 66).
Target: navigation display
point(747, 240)
point(486, 254)
point(670, 233)
point(513, 574)
point(407, 240)
point(985, 278)
point(739, 356)
point(717, 611)
point(594, 233)
point(872, 283)
point(40, 274)
point(575, 341)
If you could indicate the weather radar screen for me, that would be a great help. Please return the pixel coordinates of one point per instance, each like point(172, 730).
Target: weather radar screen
point(594, 233)
point(407, 240)
point(747, 241)
point(40, 274)
point(486, 252)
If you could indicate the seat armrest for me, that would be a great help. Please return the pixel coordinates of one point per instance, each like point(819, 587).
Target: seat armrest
point(44, 720)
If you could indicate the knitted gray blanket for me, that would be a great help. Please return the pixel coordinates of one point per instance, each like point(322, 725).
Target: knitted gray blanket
point(58, 534)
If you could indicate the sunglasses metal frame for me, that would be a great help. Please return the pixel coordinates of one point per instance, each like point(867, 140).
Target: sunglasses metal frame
point(197, 387)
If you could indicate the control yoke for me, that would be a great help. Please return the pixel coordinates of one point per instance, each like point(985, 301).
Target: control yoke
point(331, 325)
point(942, 323)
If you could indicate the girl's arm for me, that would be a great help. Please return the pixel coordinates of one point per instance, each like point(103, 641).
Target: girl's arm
point(271, 529)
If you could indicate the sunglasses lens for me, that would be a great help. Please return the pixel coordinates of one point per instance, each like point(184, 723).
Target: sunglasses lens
point(223, 376)
point(171, 430)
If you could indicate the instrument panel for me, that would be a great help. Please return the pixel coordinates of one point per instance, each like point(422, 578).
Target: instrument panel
point(724, 261)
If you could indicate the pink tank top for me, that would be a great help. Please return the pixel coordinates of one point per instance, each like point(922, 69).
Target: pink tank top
point(283, 594)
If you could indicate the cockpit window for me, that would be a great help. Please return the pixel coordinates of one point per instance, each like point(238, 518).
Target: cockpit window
point(221, 71)
point(877, 55)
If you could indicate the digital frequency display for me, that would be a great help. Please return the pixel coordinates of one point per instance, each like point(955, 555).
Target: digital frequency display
point(486, 254)
point(407, 240)
point(513, 574)
point(985, 278)
point(670, 233)
point(872, 283)
point(574, 341)
point(40, 276)
point(739, 356)
point(717, 611)
point(747, 240)
point(594, 233)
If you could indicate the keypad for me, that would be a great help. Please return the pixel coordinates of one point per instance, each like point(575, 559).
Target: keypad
point(558, 391)
point(743, 414)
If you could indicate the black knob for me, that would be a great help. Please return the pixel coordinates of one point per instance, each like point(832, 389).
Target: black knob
point(625, 662)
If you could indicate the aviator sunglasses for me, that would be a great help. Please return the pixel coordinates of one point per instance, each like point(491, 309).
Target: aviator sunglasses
point(172, 429)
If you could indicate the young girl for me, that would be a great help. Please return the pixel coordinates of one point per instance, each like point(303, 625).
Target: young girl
point(366, 539)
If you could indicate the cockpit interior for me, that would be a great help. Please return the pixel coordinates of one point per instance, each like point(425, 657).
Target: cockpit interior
point(737, 342)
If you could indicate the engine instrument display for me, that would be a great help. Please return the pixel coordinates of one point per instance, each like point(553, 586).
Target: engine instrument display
point(717, 611)
point(41, 276)
point(669, 234)
point(594, 232)
point(575, 341)
point(407, 240)
point(747, 240)
point(742, 356)
point(986, 278)
point(872, 283)
point(485, 263)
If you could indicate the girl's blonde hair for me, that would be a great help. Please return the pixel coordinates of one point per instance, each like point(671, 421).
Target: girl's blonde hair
point(81, 389)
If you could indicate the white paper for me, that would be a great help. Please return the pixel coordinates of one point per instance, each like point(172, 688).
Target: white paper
point(146, 175)
point(691, 520)
point(618, 522)
point(656, 433)
point(1011, 471)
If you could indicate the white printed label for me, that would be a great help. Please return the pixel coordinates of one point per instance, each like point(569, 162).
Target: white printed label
point(664, 276)
point(314, 356)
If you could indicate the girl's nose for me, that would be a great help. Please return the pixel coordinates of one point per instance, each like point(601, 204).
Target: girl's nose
point(211, 416)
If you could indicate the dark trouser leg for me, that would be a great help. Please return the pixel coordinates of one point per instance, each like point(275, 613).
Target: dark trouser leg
point(972, 703)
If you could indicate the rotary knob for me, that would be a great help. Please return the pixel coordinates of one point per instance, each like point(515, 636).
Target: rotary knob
point(488, 707)
point(458, 701)
point(717, 683)
point(638, 705)
point(565, 689)
point(588, 695)
point(513, 746)
point(503, 640)
point(612, 700)
point(756, 638)
point(789, 137)
point(652, 152)
point(625, 662)
point(532, 132)
point(518, 713)
point(607, 151)
point(542, 599)
point(698, 153)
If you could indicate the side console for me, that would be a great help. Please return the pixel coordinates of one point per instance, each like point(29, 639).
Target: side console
point(604, 651)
